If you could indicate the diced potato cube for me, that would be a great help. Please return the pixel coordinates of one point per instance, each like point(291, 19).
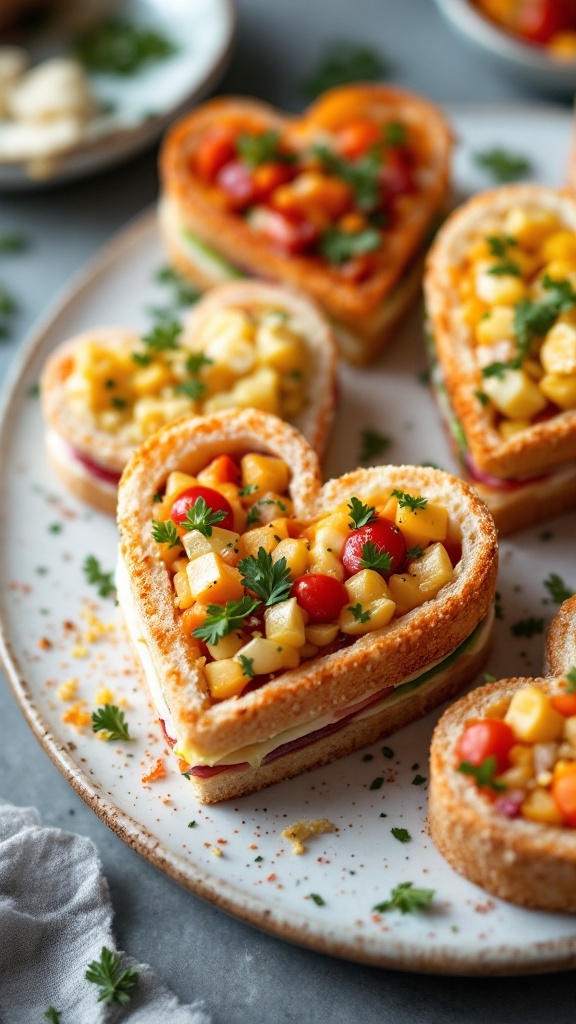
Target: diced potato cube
point(530, 227)
point(181, 585)
point(498, 289)
point(231, 493)
point(421, 525)
point(272, 506)
point(379, 614)
point(366, 587)
point(178, 482)
point(296, 553)
point(267, 537)
point(405, 592)
point(260, 390)
point(433, 570)
point(225, 678)
point(559, 246)
point(212, 581)
point(266, 473)
point(560, 390)
point(326, 563)
point(217, 379)
point(269, 656)
point(472, 309)
point(227, 337)
point(285, 623)
point(331, 535)
point(279, 346)
point(227, 646)
point(508, 428)
point(532, 718)
point(497, 325)
point(540, 805)
point(321, 633)
point(223, 542)
point(558, 353)
point(151, 379)
point(533, 368)
point(515, 394)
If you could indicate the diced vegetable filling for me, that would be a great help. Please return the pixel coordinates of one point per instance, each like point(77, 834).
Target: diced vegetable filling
point(255, 357)
point(334, 201)
point(517, 284)
point(549, 23)
point(259, 591)
point(523, 756)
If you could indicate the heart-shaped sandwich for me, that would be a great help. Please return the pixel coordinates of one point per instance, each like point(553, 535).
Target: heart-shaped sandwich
point(339, 201)
point(500, 290)
point(244, 344)
point(502, 805)
point(280, 623)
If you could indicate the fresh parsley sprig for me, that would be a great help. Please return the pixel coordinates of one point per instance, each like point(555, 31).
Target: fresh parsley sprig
point(117, 46)
point(261, 148)
point(358, 612)
point(415, 552)
point(53, 1016)
point(112, 720)
point(360, 514)
point(184, 294)
point(202, 518)
point(406, 898)
point(484, 773)
point(104, 581)
point(409, 501)
point(498, 245)
point(503, 165)
point(269, 580)
point(223, 619)
point(163, 336)
point(362, 175)
point(557, 589)
point(193, 389)
point(165, 532)
point(507, 266)
point(374, 557)
point(373, 444)
point(114, 983)
point(338, 246)
point(344, 62)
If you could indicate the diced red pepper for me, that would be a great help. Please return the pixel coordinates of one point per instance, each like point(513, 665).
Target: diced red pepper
point(216, 149)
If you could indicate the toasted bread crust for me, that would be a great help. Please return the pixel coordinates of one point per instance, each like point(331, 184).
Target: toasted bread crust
point(561, 640)
point(200, 210)
point(405, 647)
point(518, 860)
point(542, 446)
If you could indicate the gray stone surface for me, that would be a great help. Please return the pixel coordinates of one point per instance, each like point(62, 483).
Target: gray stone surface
point(244, 975)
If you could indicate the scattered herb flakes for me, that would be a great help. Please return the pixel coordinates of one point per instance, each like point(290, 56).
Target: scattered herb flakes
point(112, 720)
point(247, 665)
point(224, 619)
point(191, 824)
point(377, 783)
point(415, 552)
point(383, 815)
point(528, 627)
point(55, 528)
point(258, 859)
point(344, 62)
point(415, 767)
point(317, 899)
point(368, 757)
point(401, 834)
point(157, 498)
point(183, 293)
point(262, 148)
point(115, 46)
point(571, 680)
point(418, 780)
point(338, 246)
point(53, 1016)
point(498, 610)
point(33, 391)
point(503, 165)
point(114, 983)
point(372, 444)
point(358, 613)
point(406, 898)
point(557, 589)
point(11, 242)
point(246, 491)
point(484, 773)
point(104, 581)
point(388, 752)
point(488, 678)
point(482, 397)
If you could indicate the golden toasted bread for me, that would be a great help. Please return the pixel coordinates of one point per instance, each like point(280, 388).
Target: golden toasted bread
point(312, 713)
point(209, 240)
point(561, 640)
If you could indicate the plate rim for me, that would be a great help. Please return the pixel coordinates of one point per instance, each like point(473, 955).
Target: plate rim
point(537, 957)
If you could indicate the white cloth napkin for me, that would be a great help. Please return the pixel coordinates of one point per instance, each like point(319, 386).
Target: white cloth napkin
point(55, 917)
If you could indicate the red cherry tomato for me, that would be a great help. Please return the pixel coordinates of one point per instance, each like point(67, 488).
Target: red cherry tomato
point(236, 180)
point(357, 137)
point(215, 501)
point(291, 234)
point(387, 538)
point(396, 176)
point(490, 737)
point(215, 149)
point(540, 20)
point(323, 597)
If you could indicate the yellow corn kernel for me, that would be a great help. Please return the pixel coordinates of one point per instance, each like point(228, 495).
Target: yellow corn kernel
point(532, 718)
point(226, 647)
point(265, 473)
point(515, 394)
point(269, 656)
point(267, 537)
point(509, 428)
point(560, 390)
point(558, 352)
point(421, 525)
point(212, 581)
point(181, 585)
point(321, 633)
point(530, 227)
point(296, 553)
point(432, 570)
point(497, 325)
point(225, 678)
point(559, 246)
point(540, 805)
point(498, 289)
point(285, 623)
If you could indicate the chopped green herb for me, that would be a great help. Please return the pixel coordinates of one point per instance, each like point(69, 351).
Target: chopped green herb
point(258, 859)
point(409, 501)
point(557, 589)
point(360, 514)
point(165, 532)
point(338, 246)
point(224, 619)
point(488, 678)
point(119, 403)
point(163, 336)
point(202, 518)
point(359, 615)
point(401, 834)
point(418, 780)
point(374, 557)
point(406, 899)
point(184, 293)
point(499, 244)
point(269, 580)
point(388, 752)
point(157, 498)
point(11, 243)
point(246, 491)
point(141, 358)
point(415, 552)
point(317, 899)
point(55, 528)
point(372, 445)
point(33, 391)
point(247, 665)
point(7, 302)
point(344, 62)
point(482, 397)
point(362, 175)
point(262, 148)
point(196, 361)
point(53, 1016)
point(395, 133)
point(115, 46)
point(571, 680)
point(506, 267)
point(503, 165)
point(253, 515)
point(103, 580)
point(191, 824)
point(111, 719)
point(483, 773)
point(115, 984)
point(377, 783)
point(527, 627)
point(193, 389)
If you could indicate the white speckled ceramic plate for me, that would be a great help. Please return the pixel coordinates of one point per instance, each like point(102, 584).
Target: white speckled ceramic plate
point(140, 105)
point(234, 854)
